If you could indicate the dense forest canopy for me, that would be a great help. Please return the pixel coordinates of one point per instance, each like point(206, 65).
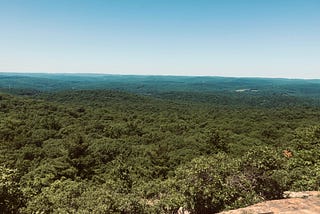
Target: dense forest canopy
point(151, 144)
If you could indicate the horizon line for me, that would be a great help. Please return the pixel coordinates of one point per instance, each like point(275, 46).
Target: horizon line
point(160, 75)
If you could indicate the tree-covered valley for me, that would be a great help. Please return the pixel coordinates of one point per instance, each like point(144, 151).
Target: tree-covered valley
point(123, 144)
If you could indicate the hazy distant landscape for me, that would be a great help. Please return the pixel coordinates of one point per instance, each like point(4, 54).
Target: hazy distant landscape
point(156, 84)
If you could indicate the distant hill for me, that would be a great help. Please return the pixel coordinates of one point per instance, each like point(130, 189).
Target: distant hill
point(158, 84)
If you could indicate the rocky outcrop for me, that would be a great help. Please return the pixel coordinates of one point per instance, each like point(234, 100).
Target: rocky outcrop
point(182, 210)
point(307, 202)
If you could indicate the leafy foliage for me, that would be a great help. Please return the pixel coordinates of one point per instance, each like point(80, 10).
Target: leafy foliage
point(11, 197)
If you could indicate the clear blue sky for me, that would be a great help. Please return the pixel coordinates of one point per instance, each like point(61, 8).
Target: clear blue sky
point(262, 38)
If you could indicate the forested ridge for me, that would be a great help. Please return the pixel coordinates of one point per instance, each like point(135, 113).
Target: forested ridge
point(112, 151)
